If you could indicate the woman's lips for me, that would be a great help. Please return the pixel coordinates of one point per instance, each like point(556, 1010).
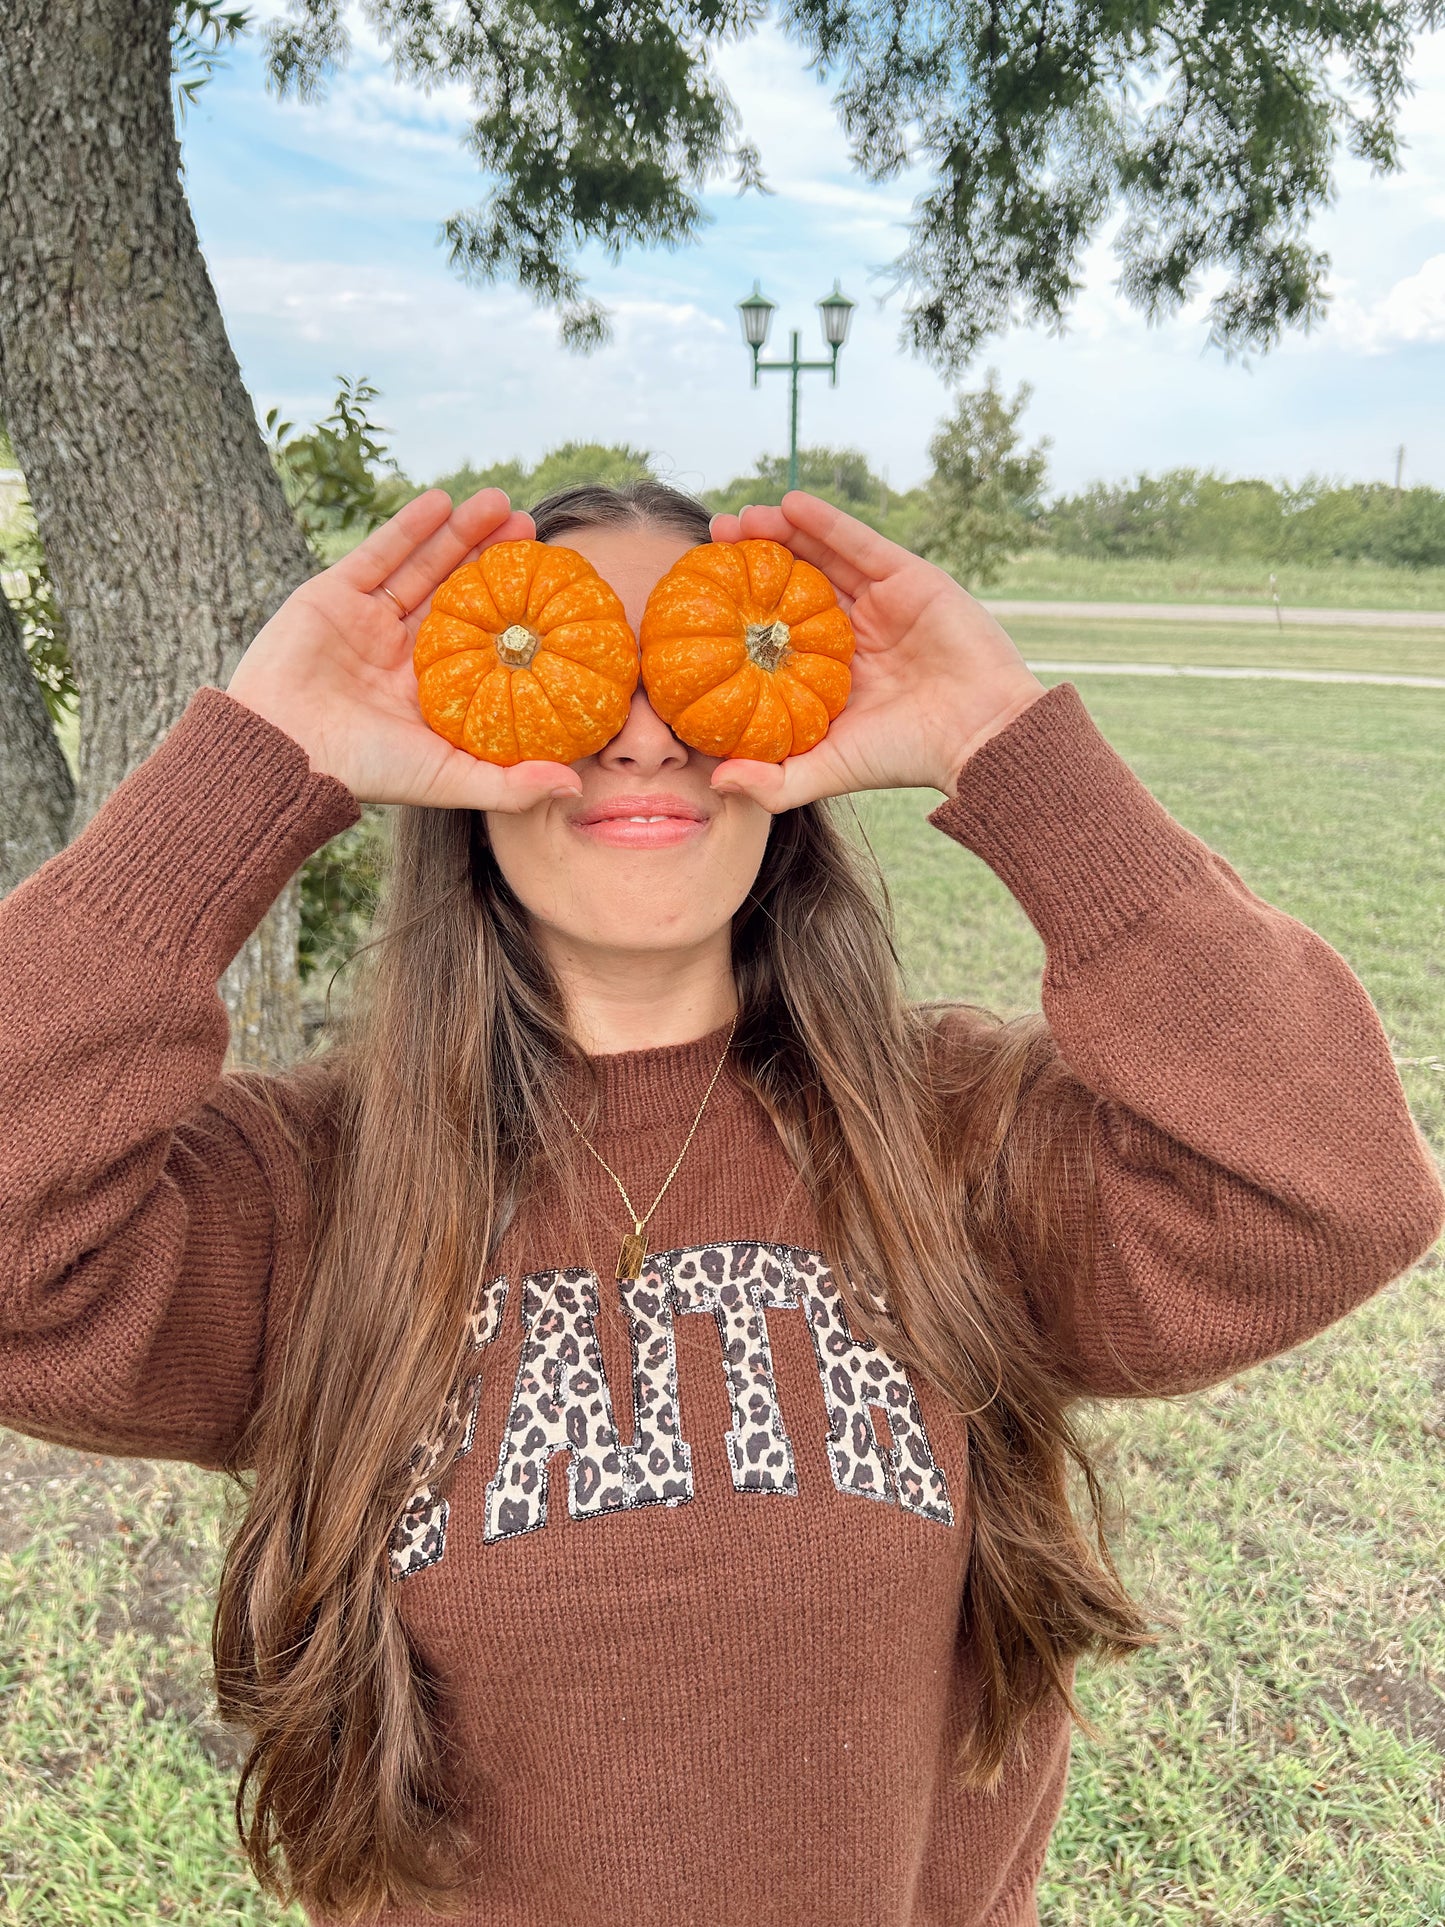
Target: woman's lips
point(640, 821)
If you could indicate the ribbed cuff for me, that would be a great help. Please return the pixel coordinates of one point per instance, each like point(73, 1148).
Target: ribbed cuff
point(193, 848)
point(1058, 815)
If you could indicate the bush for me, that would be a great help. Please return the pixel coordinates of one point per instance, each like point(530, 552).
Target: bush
point(614, 463)
point(841, 476)
point(982, 501)
point(1189, 511)
point(340, 481)
point(1368, 523)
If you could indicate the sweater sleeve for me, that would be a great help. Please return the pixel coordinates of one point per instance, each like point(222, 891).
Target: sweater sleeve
point(1226, 1133)
point(150, 1206)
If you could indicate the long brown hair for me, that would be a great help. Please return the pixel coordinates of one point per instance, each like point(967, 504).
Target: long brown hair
point(907, 1124)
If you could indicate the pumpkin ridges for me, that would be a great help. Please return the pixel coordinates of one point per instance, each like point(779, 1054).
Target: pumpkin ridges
point(522, 692)
point(769, 569)
point(490, 718)
point(829, 681)
point(768, 736)
point(541, 730)
point(806, 710)
point(610, 654)
point(584, 599)
point(806, 593)
point(828, 633)
point(554, 574)
point(442, 635)
point(507, 570)
point(716, 565)
point(577, 692)
point(686, 669)
point(719, 716)
point(448, 687)
point(759, 688)
point(467, 596)
point(676, 607)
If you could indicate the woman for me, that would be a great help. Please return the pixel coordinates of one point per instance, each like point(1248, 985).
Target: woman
point(552, 1601)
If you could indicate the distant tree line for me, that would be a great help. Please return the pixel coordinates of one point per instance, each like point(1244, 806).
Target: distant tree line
point(1196, 512)
point(982, 502)
point(986, 501)
point(614, 463)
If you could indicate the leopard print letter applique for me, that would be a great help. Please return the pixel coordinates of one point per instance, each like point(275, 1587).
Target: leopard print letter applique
point(856, 1376)
point(737, 1283)
point(420, 1535)
point(561, 1401)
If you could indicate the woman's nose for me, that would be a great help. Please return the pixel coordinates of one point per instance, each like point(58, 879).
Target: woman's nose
point(644, 740)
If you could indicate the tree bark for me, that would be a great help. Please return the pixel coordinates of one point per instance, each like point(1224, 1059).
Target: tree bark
point(167, 532)
point(37, 791)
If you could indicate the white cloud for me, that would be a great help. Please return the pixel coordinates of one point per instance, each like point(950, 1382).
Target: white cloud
point(1413, 310)
point(474, 372)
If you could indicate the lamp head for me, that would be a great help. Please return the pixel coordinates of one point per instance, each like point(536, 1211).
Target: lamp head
point(757, 317)
point(836, 311)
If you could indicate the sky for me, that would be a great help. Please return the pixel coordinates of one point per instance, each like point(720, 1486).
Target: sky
point(320, 224)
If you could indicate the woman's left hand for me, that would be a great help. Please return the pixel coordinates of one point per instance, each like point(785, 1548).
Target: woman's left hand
point(934, 676)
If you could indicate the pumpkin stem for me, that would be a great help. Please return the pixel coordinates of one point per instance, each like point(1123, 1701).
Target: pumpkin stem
point(517, 645)
point(768, 643)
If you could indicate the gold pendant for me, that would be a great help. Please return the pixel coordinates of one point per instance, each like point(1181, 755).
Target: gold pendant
point(629, 1259)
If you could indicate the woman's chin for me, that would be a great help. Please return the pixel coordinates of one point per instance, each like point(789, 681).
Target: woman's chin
point(648, 915)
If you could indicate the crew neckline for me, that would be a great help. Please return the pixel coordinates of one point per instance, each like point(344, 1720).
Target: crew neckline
point(658, 1082)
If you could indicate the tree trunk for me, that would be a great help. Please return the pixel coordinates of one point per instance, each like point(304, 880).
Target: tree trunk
point(37, 792)
point(167, 532)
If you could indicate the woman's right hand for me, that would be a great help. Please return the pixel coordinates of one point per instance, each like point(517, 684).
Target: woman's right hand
point(333, 666)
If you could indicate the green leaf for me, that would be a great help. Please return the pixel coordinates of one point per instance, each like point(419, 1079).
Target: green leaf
point(31, 595)
point(200, 31)
point(339, 476)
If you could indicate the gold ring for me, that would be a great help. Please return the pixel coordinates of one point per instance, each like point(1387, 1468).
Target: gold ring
point(400, 611)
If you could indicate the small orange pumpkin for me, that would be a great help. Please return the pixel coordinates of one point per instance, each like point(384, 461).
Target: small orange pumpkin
point(526, 652)
point(745, 651)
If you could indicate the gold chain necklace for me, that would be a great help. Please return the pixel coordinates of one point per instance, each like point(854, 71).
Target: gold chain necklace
point(630, 1257)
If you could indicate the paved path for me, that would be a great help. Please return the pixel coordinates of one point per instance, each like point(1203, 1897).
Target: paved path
point(1202, 613)
point(1256, 675)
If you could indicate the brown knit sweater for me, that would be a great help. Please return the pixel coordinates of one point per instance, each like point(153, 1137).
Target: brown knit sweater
point(697, 1619)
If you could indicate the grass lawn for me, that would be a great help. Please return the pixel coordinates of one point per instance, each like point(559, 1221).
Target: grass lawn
point(1301, 585)
point(115, 1784)
point(1399, 652)
point(1328, 800)
point(1278, 1762)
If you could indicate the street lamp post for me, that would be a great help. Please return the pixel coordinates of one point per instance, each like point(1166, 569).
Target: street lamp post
point(835, 312)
